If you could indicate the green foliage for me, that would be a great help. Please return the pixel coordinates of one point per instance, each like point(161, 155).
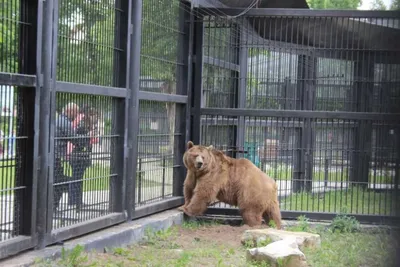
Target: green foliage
point(69, 258)
point(121, 251)
point(272, 224)
point(344, 224)
point(195, 224)
point(264, 242)
point(159, 39)
point(9, 10)
point(395, 5)
point(334, 4)
point(380, 5)
point(301, 226)
point(159, 238)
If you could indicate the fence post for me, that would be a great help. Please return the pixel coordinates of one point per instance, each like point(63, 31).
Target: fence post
point(118, 159)
point(197, 85)
point(27, 124)
point(182, 119)
point(243, 54)
point(133, 81)
point(44, 52)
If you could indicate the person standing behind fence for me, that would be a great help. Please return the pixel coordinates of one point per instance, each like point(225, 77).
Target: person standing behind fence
point(63, 133)
point(80, 156)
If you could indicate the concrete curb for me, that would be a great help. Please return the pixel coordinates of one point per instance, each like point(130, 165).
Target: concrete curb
point(115, 236)
point(236, 221)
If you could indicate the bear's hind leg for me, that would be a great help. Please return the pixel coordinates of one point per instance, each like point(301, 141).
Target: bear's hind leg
point(275, 215)
point(252, 218)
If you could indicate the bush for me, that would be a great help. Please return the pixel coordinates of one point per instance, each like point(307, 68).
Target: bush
point(344, 224)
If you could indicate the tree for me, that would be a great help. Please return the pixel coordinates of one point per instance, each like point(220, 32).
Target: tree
point(334, 4)
point(9, 36)
point(395, 5)
point(378, 5)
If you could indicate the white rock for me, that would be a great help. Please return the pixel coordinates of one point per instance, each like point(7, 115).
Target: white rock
point(303, 239)
point(285, 253)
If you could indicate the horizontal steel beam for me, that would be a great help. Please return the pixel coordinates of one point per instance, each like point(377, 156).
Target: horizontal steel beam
point(158, 207)
point(299, 114)
point(85, 227)
point(15, 79)
point(298, 12)
point(13, 246)
point(79, 88)
point(221, 63)
point(161, 97)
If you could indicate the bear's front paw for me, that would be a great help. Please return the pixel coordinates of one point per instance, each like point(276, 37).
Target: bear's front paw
point(182, 208)
point(188, 213)
point(193, 211)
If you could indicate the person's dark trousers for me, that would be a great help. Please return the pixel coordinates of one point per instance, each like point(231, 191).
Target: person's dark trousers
point(76, 186)
point(59, 182)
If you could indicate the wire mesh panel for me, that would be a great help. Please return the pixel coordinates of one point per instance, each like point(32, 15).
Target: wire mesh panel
point(11, 168)
point(220, 50)
point(84, 158)
point(322, 64)
point(156, 139)
point(17, 96)
point(162, 65)
point(159, 47)
point(87, 47)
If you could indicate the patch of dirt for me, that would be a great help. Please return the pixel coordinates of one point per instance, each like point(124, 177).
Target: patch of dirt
point(190, 245)
point(219, 234)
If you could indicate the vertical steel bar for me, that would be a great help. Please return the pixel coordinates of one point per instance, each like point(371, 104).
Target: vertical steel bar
point(198, 79)
point(182, 119)
point(242, 84)
point(25, 214)
point(53, 104)
point(118, 159)
point(44, 70)
point(133, 76)
point(163, 176)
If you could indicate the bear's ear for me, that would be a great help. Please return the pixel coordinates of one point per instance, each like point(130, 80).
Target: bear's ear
point(190, 145)
point(210, 147)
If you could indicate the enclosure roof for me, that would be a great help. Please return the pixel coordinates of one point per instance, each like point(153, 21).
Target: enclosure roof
point(247, 3)
point(333, 33)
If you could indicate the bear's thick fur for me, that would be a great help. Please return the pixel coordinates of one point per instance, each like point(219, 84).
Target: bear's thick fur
point(212, 175)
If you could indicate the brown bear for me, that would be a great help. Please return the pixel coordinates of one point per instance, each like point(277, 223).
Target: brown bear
point(212, 175)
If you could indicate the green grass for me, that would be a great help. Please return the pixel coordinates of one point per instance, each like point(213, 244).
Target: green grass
point(210, 244)
point(97, 177)
point(285, 173)
point(351, 200)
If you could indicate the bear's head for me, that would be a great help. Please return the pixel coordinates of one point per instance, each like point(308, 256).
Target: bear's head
point(197, 157)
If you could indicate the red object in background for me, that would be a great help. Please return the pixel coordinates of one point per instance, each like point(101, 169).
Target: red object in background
point(330, 137)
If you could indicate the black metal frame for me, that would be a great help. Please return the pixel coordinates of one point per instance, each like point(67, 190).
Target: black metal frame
point(304, 104)
point(38, 86)
point(27, 83)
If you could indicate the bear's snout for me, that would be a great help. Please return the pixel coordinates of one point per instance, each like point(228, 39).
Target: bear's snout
point(199, 165)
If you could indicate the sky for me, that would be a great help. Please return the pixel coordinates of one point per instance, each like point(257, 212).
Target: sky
point(366, 4)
